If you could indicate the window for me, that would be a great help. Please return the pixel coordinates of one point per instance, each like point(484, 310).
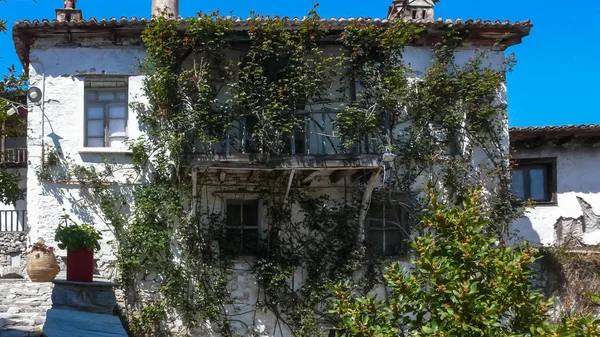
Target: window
point(535, 179)
point(243, 227)
point(387, 229)
point(105, 114)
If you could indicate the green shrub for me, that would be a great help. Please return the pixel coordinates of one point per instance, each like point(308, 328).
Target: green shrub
point(462, 283)
point(72, 236)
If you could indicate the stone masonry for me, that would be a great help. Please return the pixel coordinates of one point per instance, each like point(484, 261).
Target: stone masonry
point(13, 252)
point(23, 303)
point(23, 306)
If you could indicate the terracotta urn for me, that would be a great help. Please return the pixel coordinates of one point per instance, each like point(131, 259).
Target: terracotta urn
point(42, 266)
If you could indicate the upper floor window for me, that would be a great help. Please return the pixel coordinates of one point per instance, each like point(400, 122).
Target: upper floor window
point(387, 228)
point(106, 114)
point(535, 179)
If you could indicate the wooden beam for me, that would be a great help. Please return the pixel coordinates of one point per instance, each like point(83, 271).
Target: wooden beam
point(329, 161)
point(253, 161)
point(366, 201)
point(311, 176)
point(289, 185)
point(194, 191)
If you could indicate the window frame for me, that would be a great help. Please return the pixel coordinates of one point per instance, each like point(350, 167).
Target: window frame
point(404, 230)
point(261, 227)
point(549, 165)
point(105, 104)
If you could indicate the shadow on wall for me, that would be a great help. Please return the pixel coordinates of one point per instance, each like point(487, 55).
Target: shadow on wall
point(79, 201)
point(523, 231)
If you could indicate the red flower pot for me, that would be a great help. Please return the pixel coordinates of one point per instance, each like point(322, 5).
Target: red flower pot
point(80, 265)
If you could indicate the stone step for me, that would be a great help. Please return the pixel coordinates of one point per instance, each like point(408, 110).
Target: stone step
point(21, 332)
point(22, 319)
point(19, 309)
point(70, 323)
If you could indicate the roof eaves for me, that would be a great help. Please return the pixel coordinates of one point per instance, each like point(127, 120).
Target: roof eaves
point(518, 133)
point(484, 30)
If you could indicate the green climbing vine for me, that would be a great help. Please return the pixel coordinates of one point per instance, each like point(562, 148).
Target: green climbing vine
point(12, 96)
point(213, 88)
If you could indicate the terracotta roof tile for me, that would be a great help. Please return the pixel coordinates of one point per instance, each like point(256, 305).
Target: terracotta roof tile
point(242, 23)
point(480, 32)
point(517, 133)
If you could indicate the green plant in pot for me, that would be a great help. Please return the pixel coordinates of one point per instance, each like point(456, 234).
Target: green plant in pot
point(80, 241)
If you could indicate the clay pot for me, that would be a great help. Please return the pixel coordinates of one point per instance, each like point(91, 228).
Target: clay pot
point(42, 266)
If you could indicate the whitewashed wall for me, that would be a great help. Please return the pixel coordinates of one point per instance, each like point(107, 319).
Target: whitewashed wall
point(60, 73)
point(577, 176)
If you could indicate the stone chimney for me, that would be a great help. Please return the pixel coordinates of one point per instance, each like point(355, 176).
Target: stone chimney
point(171, 6)
point(68, 13)
point(412, 10)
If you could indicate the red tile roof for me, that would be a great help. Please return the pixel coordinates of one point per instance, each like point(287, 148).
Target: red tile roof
point(242, 23)
point(517, 133)
point(480, 32)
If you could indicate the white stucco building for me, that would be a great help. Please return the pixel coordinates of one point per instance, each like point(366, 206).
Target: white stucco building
point(88, 74)
point(557, 168)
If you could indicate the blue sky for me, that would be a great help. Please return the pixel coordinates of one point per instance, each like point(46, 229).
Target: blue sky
point(552, 84)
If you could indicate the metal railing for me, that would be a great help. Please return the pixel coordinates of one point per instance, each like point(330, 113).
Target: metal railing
point(317, 135)
point(16, 156)
point(13, 221)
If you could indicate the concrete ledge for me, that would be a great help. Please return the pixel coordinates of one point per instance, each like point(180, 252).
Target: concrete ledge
point(95, 284)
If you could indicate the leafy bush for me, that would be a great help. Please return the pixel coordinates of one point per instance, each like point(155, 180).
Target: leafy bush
point(462, 283)
point(576, 326)
point(72, 236)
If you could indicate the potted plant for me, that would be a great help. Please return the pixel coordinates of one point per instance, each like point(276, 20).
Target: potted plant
point(80, 242)
point(41, 263)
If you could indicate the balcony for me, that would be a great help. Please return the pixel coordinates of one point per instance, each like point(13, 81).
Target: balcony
point(314, 145)
point(13, 221)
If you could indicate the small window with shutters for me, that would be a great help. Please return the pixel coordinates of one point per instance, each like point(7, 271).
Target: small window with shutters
point(106, 113)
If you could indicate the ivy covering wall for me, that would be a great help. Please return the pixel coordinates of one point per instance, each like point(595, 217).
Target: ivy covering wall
point(434, 124)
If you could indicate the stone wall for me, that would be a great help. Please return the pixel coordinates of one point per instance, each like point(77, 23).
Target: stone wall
point(13, 254)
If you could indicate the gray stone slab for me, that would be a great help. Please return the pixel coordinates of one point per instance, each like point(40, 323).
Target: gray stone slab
point(70, 323)
point(14, 333)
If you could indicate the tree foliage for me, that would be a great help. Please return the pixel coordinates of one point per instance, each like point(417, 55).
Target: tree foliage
point(463, 283)
point(12, 95)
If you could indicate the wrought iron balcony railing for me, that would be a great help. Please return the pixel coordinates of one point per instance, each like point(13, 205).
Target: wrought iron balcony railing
point(316, 136)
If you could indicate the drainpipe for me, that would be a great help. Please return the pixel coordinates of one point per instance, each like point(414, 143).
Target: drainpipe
point(170, 6)
point(42, 105)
